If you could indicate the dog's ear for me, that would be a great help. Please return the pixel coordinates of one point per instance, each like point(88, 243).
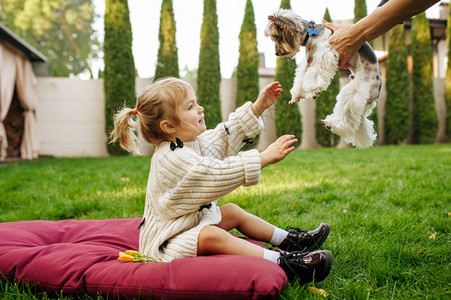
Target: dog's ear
point(282, 22)
point(289, 37)
point(279, 22)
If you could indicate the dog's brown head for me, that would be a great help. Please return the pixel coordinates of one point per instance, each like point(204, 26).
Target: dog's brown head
point(285, 29)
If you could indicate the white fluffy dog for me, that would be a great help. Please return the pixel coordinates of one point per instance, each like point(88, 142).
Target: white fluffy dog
point(356, 99)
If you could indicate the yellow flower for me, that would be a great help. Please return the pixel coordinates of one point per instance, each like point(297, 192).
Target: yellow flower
point(125, 257)
point(317, 291)
point(132, 252)
point(135, 256)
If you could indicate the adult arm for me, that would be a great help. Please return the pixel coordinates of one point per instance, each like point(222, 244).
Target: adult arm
point(348, 39)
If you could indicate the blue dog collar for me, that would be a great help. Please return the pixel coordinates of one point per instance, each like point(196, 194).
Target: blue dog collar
point(311, 31)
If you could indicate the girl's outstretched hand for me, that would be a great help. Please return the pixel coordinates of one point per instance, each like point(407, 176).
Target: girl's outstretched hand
point(278, 150)
point(267, 97)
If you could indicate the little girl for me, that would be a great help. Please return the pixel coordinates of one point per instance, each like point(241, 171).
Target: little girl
point(192, 168)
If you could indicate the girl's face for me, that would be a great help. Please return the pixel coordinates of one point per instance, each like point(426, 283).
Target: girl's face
point(191, 116)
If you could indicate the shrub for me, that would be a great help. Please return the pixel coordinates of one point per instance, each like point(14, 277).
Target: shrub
point(119, 75)
point(288, 117)
point(397, 107)
point(448, 80)
point(360, 10)
point(424, 115)
point(168, 61)
point(209, 74)
point(247, 70)
point(247, 87)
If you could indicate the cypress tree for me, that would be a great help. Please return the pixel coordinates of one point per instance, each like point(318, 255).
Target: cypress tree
point(397, 106)
point(448, 80)
point(325, 105)
point(288, 117)
point(167, 63)
point(209, 74)
point(360, 10)
point(119, 75)
point(424, 115)
point(247, 70)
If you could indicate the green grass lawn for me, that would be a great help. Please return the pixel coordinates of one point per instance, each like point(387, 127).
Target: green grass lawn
point(384, 205)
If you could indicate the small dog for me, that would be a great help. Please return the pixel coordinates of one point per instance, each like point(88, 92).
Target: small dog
point(356, 99)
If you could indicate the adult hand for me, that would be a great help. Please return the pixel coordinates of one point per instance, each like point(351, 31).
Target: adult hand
point(345, 41)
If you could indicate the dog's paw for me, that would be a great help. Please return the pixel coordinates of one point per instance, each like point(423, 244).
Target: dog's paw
point(294, 100)
point(326, 124)
point(316, 94)
point(337, 126)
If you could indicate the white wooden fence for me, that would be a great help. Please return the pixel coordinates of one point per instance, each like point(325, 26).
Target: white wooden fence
point(71, 118)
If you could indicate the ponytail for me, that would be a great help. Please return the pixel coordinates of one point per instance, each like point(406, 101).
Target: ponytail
point(124, 129)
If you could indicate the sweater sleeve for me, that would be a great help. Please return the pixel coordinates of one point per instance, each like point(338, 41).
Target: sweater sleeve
point(201, 180)
point(228, 137)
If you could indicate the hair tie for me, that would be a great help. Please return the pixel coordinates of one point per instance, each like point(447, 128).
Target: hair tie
point(135, 111)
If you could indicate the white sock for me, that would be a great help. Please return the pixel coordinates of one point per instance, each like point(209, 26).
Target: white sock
point(271, 255)
point(278, 236)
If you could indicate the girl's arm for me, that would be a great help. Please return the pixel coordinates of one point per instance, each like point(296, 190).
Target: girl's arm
point(228, 137)
point(193, 180)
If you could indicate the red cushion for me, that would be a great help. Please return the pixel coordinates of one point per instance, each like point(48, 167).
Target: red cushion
point(78, 257)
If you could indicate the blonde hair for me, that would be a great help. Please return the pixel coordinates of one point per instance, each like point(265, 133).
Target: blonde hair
point(158, 102)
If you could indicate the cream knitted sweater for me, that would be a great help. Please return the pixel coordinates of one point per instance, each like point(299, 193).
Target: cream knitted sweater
point(183, 180)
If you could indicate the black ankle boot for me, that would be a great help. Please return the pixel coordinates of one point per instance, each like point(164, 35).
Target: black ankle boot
point(300, 240)
point(306, 266)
